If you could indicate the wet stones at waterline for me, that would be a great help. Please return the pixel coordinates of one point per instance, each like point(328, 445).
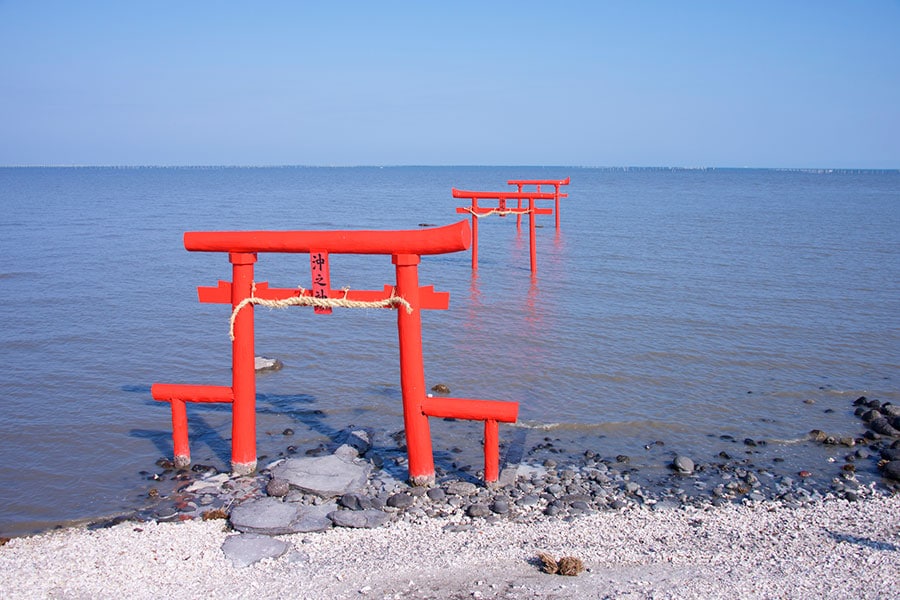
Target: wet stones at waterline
point(353, 485)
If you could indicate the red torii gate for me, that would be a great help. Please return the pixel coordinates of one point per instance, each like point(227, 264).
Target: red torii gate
point(502, 209)
point(405, 248)
point(520, 183)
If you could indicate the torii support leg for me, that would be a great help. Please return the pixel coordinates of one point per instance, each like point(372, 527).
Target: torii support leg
point(412, 372)
point(532, 244)
point(180, 445)
point(474, 235)
point(243, 415)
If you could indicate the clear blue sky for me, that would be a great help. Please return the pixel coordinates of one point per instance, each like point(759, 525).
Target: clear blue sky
point(588, 83)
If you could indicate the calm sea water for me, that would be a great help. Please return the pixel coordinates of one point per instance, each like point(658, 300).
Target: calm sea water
point(671, 305)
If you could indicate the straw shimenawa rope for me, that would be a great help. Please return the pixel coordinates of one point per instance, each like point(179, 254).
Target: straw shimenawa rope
point(496, 211)
point(303, 300)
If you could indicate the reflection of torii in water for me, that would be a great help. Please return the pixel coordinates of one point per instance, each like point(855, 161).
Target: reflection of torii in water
point(405, 248)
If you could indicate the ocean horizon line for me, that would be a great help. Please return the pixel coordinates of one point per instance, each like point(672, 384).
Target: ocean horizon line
point(610, 168)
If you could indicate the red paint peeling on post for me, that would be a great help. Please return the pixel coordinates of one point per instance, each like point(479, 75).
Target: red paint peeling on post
point(405, 249)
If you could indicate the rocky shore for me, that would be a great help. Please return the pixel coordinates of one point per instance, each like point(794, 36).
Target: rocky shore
point(341, 522)
point(353, 485)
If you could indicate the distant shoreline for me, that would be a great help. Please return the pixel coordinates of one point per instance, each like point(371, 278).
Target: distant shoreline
point(611, 169)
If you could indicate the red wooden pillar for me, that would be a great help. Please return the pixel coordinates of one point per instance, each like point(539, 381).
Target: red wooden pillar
point(412, 371)
point(474, 234)
point(556, 200)
point(519, 205)
point(491, 450)
point(181, 446)
point(532, 243)
point(243, 416)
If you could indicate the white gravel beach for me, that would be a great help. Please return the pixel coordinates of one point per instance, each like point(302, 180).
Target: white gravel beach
point(831, 549)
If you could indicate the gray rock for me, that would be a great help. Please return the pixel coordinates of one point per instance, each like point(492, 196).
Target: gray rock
point(244, 549)
point(278, 487)
point(356, 502)
point(325, 476)
point(817, 435)
point(359, 439)
point(436, 494)
point(555, 489)
point(314, 518)
point(165, 513)
point(400, 500)
point(346, 452)
point(683, 465)
point(270, 516)
point(890, 454)
point(462, 488)
point(359, 519)
point(263, 363)
point(478, 510)
point(500, 506)
point(528, 500)
point(572, 498)
point(891, 470)
point(882, 426)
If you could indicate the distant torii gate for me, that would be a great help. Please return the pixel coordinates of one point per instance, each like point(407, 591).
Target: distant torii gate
point(405, 248)
point(520, 183)
point(503, 209)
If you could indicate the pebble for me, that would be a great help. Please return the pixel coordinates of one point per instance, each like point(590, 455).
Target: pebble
point(278, 487)
point(401, 500)
point(436, 494)
point(683, 465)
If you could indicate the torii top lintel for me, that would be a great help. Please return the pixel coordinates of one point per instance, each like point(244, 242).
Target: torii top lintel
point(538, 181)
point(436, 240)
point(503, 195)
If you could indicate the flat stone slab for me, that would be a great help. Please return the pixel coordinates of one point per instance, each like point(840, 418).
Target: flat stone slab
point(326, 476)
point(244, 549)
point(314, 518)
point(359, 519)
point(270, 516)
